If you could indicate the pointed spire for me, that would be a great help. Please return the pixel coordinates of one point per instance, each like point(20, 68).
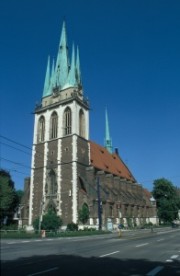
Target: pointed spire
point(108, 141)
point(46, 90)
point(53, 82)
point(62, 63)
point(78, 70)
point(62, 75)
point(71, 80)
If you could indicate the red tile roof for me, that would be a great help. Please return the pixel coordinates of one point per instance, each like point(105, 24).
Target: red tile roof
point(101, 159)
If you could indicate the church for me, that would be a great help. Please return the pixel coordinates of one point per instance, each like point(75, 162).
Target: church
point(69, 170)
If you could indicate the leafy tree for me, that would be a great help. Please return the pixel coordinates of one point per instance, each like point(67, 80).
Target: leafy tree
point(19, 194)
point(50, 221)
point(167, 199)
point(84, 213)
point(7, 196)
point(36, 223)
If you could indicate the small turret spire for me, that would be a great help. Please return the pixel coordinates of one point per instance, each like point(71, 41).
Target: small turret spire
point(71, 80)
point(53, 81)
point(78, 70)
point(108, 141)
point(46, 91)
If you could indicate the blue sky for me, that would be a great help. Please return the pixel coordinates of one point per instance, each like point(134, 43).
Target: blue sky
point(130, 63)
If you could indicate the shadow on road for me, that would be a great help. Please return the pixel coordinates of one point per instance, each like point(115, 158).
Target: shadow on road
point(66, 265)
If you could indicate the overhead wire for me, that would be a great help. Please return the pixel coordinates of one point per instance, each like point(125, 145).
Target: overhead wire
point(41, 155)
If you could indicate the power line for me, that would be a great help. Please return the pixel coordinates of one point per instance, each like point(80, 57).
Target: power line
point(17, 143)
point(14, 148)
point(16, 163)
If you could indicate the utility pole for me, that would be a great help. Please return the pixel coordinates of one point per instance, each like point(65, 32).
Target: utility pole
point(99, 204)
point(40, 216)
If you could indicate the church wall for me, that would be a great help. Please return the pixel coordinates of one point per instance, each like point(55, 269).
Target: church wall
point(52, 153)
point(37, 192)
point(66, 179)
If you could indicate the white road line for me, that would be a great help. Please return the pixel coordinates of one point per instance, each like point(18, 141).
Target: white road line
point(155, 271)
point(160, 240)
point(11, 242)
point(143, 244)
point(24, 241)
point(169, 261)
point(37, 240)
point(109, 254)
point(49, 239)
point(174, 256)
point(44, 271)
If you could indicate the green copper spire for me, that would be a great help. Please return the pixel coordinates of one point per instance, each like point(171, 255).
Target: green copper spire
point(53, 81)
point(108, 141)
point(62, 63)
point(62, 75)
point(46, 91)
point(71, 80)
point(78, 70)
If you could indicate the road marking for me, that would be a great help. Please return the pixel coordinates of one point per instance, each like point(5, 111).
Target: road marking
point(160, 240)
point(155, 271)
point(49, 239)
point(11, 242)
point(37, 240)
point(109, 254)
point(169, 261)
point(44, 271)
point(174, 256)
point(143, 244)
point(24, 241)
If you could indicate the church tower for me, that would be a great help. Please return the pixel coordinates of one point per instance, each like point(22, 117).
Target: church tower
point(60, 151)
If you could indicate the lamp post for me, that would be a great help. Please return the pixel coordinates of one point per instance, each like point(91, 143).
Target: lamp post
point(99, 205)
point(21, 206)
point(40, 215)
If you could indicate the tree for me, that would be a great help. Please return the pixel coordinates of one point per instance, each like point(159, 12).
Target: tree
point(167, 199)
point(84, 213)
point(50, 221)
point(7, 196)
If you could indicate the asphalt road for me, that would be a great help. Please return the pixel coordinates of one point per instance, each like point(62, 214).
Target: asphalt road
point(134, 253)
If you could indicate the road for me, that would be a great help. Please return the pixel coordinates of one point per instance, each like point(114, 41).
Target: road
point(134, 253)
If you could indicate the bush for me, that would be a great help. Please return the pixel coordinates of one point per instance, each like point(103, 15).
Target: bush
point(72, 227)
point(9, 227)
point(50, 221)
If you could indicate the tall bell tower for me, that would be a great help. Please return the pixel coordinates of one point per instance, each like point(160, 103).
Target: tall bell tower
point(60, 152)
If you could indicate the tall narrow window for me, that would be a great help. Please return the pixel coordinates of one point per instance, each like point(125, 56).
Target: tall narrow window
point(54, 126)
point(52, 183)
point(41, 129)
point(110, 210)
point(81, 123)
point(67, 121)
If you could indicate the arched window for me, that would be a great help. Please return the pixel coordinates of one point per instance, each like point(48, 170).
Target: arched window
point(53, 125)
point(41, 129)
point(81, 123)
point(67, 121)
point(52, 187)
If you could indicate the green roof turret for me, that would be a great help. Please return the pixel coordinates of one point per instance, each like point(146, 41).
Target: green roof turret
point(108, 141)
point(46, 91)
point(71, 80)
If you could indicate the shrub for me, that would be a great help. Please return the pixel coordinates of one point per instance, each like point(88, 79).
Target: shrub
point(72, 226)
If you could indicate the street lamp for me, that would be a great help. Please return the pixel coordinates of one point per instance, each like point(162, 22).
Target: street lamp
point(40, 215)
point(99, 205)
